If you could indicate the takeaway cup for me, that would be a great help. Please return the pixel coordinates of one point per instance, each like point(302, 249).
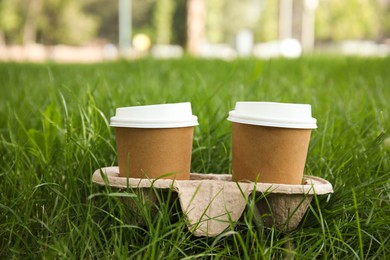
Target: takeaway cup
point(155, 141)
point(270, 141)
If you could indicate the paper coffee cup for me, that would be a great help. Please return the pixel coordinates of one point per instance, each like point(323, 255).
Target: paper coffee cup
point(155, 141)
point(270, 141)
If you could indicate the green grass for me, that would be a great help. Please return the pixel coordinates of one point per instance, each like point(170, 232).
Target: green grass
point(54, 133)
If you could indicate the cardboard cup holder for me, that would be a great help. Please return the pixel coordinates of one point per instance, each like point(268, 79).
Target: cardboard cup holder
point(211, 201)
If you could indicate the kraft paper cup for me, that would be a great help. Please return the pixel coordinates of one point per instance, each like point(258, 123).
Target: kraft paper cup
point(155, 141)
point(270, 141)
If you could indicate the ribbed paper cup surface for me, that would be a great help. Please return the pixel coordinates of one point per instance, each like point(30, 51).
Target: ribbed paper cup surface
point(270, 141)
point(155, 141)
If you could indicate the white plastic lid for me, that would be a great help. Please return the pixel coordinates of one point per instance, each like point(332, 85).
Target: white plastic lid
point(273, 114)
point(155, 116)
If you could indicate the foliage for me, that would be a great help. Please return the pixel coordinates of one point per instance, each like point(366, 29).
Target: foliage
point(53, 21)
point(66, 22)
point(240, 15)
point(54, 133)
point(78, 22)
point(267, 29)
point(9, 19)
point(353, 19)
point(384, 18)
point(163, 15)
point(214, 21)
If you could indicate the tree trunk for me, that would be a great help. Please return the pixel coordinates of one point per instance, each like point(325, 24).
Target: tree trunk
point(285, 19)
point(30, 25)
point(195, 25)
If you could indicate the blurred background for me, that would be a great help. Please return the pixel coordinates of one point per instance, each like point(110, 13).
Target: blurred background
point(97, 30)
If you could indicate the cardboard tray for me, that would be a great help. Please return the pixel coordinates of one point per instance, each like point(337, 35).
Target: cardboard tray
point(211, 201)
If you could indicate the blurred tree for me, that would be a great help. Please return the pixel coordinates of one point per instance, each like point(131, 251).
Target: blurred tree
point(241, 14)
point(32, 10)
point(65, 21)
point(79, 21)
point(195, 25)
point(46, 21)
point(163, 14)
point(150, 17)
point(215, 21)
point(179, 25)
point(107, 11)
point(142, 17)
point(267, 27)
point(384, 17)
point(350, 19)
point(335, 20)
point(10, 20)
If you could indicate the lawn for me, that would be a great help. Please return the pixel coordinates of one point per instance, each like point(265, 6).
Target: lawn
point(54, 133)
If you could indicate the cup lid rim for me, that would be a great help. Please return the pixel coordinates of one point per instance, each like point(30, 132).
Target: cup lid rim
point(168, 115)
point(140, 123)
point(272, 122)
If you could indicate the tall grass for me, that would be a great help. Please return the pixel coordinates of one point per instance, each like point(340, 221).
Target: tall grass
point(54, 133)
